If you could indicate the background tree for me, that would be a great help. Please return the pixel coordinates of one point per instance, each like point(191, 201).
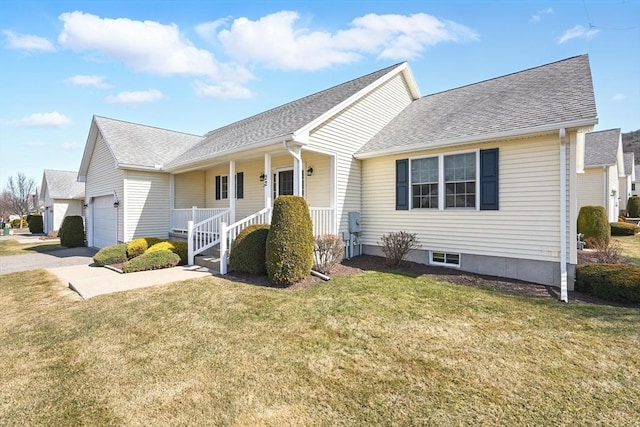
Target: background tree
point(19, 192)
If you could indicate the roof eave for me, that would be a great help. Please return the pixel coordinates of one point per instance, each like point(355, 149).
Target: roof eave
point(480, 138)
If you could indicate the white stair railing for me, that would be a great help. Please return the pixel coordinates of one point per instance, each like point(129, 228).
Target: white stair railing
point(181, 217)
point(229, 233)
point(205, 234)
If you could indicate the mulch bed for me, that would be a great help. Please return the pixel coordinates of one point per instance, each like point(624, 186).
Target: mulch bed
point(364, 263)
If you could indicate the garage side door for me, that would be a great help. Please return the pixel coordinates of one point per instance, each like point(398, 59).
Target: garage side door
point(104, 222)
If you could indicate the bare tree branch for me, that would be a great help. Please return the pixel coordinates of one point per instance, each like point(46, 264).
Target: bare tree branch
point(19, 194)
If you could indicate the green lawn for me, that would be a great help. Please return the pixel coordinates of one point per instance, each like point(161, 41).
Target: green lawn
point(630, 247)
point(13, 247)
point(372, 349)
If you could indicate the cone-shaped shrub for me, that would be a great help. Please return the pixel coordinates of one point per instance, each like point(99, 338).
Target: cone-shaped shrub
point(248, 251)
point(72, 232)
point(593, 222)
point(290, 241)
point(633, 207)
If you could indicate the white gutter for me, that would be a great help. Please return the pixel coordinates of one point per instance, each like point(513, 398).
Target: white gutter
point(563, 216)
point(477, 138)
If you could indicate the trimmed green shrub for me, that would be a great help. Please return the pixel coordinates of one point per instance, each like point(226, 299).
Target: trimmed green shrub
point(137, 247)
point(633, 207)
point(613, 282)
point(179, 248)
point(115, 254)
point(72, 231)
point(151, 261)
point(36, 224)
point(593, 222)
point(248, 251)
point(624, 229)
point(290, 241)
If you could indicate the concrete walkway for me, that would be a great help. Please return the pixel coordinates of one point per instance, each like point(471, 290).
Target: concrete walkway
point(90, 281)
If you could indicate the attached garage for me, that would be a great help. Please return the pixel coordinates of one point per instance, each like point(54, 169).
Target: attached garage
point(104, 222)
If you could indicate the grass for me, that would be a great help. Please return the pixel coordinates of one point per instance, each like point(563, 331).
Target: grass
point(372, 349)
point(13, 247)
point(630, 247)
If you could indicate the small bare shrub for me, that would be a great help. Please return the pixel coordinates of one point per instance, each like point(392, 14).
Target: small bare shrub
point(329, 252)
point(397, 245)
point(606, 252)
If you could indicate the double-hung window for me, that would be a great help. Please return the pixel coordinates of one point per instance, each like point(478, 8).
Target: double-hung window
point(424, 183)
point(460, 180)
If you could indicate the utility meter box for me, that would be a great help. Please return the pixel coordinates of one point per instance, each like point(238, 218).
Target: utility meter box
point(354, 222)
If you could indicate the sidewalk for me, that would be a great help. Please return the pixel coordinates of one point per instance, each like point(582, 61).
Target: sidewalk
point(90, 281)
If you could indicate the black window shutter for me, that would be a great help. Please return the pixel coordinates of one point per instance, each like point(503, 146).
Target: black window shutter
point(218, 187)
point(239, 185)
point(489, 195)
point(402, 184)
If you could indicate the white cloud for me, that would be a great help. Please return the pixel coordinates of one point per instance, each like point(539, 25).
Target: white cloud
point(274, 41)
point(537, 17)
point(88, 81)
point(618, 97)
point(208, 30)
point(53, 119)
point(221, 91)
point(135, 97)
point(15, 40)
point(35, 144)
point(144, 46)
point(578, 32)
point(71, 146)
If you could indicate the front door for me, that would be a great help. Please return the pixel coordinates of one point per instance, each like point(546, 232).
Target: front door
point(283, 183)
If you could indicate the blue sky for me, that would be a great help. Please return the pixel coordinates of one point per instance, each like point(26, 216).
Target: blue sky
point(193, 66)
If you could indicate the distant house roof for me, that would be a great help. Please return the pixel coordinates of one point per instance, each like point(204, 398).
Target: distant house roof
point(629, 159)
point(601, 148)
point(62, 184)
point(279, 122)
point(547, 97)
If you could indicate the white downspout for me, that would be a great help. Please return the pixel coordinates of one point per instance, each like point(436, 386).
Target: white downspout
point(563, 216)
point(297, 170)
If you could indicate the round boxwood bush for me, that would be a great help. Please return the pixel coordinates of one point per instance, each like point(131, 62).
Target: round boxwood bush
point(624, 229)
point(179, 248)
point(115, 254)
point(71, 231)
point(151, 261)
point(248, 251)
point(593, 223)
point(290, 241)
point(613, 282)
point(633, 207)
point(137, 247)
point(36, 224)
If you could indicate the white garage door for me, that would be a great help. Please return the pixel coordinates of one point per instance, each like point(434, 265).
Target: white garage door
point(104, 222)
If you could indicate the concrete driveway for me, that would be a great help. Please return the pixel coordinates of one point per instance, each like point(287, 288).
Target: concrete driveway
point(58, 258)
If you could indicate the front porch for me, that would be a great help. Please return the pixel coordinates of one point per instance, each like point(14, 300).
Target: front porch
point(211, 205)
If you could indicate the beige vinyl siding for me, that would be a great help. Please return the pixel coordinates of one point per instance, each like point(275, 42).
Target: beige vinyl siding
point(526, 226)
point(317, 191)
point(614, 185)
point(103, 178)
point(347, 131)
point(189, 190)
point(253, 199)
point(625, 191)
point(147, 204)
point(591, 187)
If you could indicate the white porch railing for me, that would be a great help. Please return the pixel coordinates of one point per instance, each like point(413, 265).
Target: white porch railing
point(322, 220)
point(181, 217)
point(230, 232)
point(205, 234)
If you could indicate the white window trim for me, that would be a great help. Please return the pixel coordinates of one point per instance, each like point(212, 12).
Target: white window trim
point(221, 193)
point(444, 264)
point(441, 183)
point(276, 172)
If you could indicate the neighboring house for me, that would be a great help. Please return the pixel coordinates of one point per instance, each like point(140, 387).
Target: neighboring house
point(478, 172)
point(626, 182)
point(599, 182)
point(61, 195)
point(635, 184)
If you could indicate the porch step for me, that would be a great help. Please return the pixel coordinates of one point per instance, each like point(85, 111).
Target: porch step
point(210, 262)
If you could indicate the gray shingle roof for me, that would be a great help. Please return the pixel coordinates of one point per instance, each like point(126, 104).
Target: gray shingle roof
point(554, 93)
point(601, 148)
point(148, 146)
point(63, 184)
point(280, 121)
point(629, 159)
